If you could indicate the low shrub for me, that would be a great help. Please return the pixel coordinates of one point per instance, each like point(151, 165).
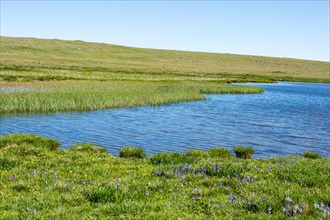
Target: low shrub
point(171, 158)
point(311, 155)
point(87, 147)
point(132, 152)
point(219, 152)
point(243, 152)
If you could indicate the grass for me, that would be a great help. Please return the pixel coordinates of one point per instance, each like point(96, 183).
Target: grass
point(58, 58)
point(79, 76)
point(131, 152)
point(311, 155)
point(53, 96)
point(243, 152)
point(72, 183)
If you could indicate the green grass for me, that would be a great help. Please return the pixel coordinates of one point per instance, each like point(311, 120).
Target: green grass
point(311, 155)
point(81, 181)
point(91, 95)
point(29, 57)
point(81, 76)
point(243, 152)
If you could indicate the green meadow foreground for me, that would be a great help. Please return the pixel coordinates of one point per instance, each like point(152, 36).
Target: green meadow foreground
point(84, 182)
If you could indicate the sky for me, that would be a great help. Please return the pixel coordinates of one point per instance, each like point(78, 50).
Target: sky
point(295, 29)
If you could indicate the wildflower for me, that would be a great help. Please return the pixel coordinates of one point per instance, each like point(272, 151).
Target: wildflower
point(34, 172)
point(228, 176)
point(295, 208)
point(288, 199)
point(220, 184)
point(230, 198)
point(117, 183)
point(54, 175)
point(156, 172)
point(166, 180)
point(214, 167)
point(160, 190)
point(196, 190)
point(269, 209)
point(10, 178)
point(287, 209)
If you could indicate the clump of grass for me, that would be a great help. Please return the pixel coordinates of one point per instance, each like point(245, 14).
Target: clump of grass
point(219, 152)
point(243, 152)
point(171, 158)
point(15, 140)
point(132, 152)
point(311, 155)
point(87, 147)
point(104, 194)
point(197, 153)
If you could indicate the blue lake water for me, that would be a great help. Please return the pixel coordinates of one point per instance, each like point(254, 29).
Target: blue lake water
point(287, 119)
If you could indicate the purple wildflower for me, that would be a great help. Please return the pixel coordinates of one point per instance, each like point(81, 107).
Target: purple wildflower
point(230, 198)
point(117, 183)
point(288, 199)
point(269, 209)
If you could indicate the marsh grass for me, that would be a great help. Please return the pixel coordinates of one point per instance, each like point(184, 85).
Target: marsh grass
point(93, 95)
point(73, 184)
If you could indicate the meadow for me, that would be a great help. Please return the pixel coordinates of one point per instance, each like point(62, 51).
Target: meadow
point(38, 181)
point(39, 75)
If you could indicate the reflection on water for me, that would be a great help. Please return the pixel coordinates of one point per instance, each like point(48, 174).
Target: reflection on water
point(288, 118)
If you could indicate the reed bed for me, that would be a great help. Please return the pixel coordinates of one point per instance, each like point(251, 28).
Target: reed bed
point(54, 96)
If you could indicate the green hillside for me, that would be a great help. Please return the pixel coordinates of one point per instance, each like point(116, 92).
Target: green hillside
point(78, 59)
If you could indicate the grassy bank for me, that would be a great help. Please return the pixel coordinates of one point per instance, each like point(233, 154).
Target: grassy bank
point(40, 75)
point(55, 96)
point(39, 181)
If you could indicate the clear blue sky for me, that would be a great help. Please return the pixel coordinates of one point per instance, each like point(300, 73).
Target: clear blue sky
point(298, 29)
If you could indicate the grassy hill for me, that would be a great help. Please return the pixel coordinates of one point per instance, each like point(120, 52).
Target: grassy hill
point(78, 59)
point(40, 75)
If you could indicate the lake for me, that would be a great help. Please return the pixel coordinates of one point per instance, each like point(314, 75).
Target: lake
point(287, 119)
